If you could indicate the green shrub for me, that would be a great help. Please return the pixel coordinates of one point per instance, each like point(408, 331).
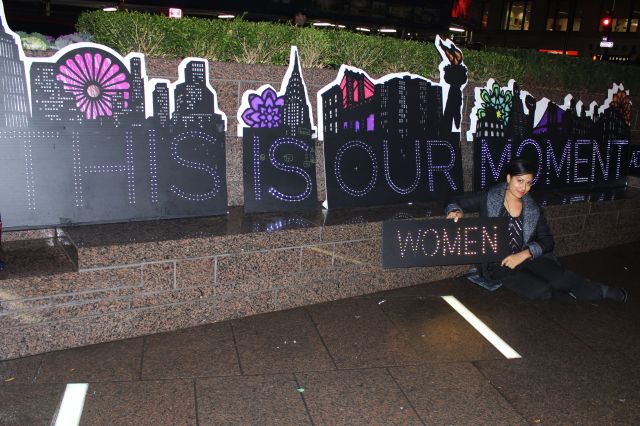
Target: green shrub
point(314, 47)
point(33, 41)
point(268, 43)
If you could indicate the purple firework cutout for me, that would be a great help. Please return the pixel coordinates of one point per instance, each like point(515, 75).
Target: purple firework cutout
point(265, 109)
point(93, 81)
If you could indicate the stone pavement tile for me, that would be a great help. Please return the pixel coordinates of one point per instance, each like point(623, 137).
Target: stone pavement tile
point(29, 405)
point(616, 266)
point(20, 370)
point(436, 331)
point(454, 394)
point(207, 350)
point(250, 400)
point(356, 397)
point(633, 353)
point(630, 251)
point(613, 266)
point(359, 335)
point(523, 327)
point(597, 325)
point(107, 361)
point(594, 389)
point(280, 342)
point(154, 403)
point(629, 311)
point(601, 327)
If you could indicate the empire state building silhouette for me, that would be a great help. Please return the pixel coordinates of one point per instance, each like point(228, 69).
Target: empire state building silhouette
point(14, 99)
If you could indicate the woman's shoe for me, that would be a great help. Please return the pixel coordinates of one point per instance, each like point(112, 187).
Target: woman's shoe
point(615, 294)
point(625, 295)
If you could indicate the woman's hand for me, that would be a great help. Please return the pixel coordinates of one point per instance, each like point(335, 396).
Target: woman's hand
point(455, 215)
point(515, 259)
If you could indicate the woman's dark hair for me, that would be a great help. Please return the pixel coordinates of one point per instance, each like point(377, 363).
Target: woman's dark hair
point(519, 166)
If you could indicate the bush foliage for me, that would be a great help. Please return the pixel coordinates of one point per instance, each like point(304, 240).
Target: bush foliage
point(268, 43)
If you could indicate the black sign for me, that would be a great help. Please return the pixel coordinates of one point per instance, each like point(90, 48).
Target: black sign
point(395, 139)
point(279, 160)
point(570, 145)
point(86, 137)
point(409, 243)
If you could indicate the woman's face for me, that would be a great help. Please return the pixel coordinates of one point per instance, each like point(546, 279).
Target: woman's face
point(519, 185)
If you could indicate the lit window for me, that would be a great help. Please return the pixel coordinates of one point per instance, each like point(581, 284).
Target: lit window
point(517, 15)
point(558, 15)
point(619, 25)
point(577, 16)
point(484, 23)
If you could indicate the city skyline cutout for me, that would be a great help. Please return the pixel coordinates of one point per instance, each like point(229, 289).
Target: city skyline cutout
point(86, 136)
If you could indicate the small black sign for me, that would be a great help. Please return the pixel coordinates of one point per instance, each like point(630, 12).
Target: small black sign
point(429, 242)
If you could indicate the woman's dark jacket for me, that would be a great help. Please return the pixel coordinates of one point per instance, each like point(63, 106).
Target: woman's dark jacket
point(536, 233)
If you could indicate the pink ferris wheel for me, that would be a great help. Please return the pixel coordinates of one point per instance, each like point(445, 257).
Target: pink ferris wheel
point(95, 78)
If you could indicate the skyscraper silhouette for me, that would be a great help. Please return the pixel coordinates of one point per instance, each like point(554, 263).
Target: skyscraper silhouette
point(295, 111)
point(332, 110)
point(429, 108)
point(161, 104)
point(51, 104)
point(518, 120)
point(14, 99)
point(194, 102)
point(394, 107)
point(136, 100)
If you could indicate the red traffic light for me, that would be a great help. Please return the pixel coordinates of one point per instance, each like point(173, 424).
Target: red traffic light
point(606, 22)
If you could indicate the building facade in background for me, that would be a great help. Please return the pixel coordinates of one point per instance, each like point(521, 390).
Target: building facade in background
point(573, 27)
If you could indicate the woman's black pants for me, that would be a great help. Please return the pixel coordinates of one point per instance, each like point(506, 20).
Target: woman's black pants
point(545, 278)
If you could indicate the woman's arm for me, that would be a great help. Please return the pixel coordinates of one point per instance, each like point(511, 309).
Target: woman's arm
point(541, 241)
point(515, 259)
point(468, 203)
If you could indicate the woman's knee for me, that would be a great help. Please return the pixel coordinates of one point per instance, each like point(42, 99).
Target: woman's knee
point(547, 294)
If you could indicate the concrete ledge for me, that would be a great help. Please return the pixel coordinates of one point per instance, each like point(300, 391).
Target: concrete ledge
point(142, 278)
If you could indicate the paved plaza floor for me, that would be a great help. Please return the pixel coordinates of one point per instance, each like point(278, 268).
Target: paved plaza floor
point(401, 357)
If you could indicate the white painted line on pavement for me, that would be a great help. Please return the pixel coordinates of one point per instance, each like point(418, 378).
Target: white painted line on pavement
point(482, 328)
point(71, 405)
